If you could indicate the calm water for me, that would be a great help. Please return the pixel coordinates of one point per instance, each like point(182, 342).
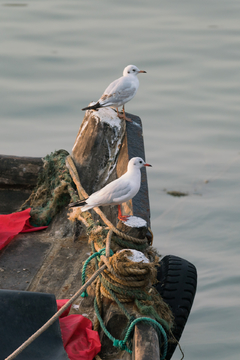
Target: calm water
point(57, 56)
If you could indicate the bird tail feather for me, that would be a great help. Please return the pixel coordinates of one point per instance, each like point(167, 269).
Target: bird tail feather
point(82, 204)
point(92, 107)
point(78, 203)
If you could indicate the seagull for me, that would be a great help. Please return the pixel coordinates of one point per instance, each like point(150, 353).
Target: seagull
point(117, 191)
point(120, 91)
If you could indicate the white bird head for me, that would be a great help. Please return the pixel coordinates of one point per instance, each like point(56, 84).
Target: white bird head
point(132, 70)
point(136, 163)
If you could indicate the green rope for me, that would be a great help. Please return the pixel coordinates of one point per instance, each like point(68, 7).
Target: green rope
point(91, 226)
point(126, 244)
point(122, 344)
point(93, 250)
point(117, 343)
point(121, 306)
point(99, 253)
point(126, 344)
point(134, 293)
point(138, 295)
point(150, 311)
point(55, 189)
point(156, 325)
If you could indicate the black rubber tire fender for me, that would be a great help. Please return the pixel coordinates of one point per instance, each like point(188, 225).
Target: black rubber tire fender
point(177, 284)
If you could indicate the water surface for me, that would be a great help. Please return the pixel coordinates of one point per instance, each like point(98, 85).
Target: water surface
point(57, 56)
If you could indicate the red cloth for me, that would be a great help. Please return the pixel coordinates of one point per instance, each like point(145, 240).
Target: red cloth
point(79, 340)
point(13, 224)
point(60, 304)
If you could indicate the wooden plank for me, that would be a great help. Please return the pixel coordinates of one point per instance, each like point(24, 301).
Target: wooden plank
point(133, 145)
point(145, 343)
point(19, 171)
point(101, 152)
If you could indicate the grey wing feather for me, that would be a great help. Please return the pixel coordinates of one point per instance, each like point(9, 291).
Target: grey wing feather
point(114, 93)
point(123, 194)
point(112, 193)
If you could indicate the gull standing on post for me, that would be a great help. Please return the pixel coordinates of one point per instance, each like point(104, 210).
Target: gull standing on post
point(120, 91)
point(118, 191)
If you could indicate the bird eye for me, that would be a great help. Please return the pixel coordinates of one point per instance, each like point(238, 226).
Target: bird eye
point(134, 70)
point(140, 162)
point(128, 72)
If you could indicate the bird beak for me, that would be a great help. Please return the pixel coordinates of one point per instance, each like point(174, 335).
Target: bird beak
point(142, 71)
point(147, 165)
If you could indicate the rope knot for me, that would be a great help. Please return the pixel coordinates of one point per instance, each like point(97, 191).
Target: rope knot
point(120, 344)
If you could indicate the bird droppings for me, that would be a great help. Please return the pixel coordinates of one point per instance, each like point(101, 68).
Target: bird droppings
point(137, 256)
point(135, 221)
point(75, 306)
point(109, 116)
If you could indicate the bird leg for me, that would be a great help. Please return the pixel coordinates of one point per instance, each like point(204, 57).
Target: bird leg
point(119, 115)
point(124, 115)
point(120, 216)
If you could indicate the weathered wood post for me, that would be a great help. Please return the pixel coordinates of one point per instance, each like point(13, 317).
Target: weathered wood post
point(101, 152)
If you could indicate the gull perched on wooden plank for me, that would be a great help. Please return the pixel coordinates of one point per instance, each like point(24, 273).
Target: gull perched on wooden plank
point(120, 91)
point(118, 191)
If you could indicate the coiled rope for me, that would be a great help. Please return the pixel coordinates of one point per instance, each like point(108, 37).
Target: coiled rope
point(125, 343)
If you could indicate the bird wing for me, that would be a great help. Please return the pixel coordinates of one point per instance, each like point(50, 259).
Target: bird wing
point(118, 91)
point(114, 193)
point(123, 194)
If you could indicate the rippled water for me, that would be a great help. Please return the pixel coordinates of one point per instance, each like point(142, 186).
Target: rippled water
point(57, 56)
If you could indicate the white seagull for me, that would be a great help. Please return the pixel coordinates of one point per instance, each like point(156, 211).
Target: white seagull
point(120, 91)
point(118, 191)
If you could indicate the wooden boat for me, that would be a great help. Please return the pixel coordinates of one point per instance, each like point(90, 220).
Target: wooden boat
point(51, 261)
